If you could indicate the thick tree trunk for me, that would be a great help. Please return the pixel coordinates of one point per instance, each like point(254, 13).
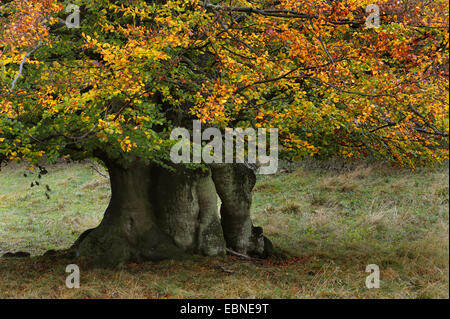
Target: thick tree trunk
point(234, 183)
point(156, 213)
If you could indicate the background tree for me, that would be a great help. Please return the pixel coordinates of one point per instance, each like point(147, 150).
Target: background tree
point(114, 89)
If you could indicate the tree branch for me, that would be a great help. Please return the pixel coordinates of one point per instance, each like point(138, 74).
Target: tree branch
point(21, 68)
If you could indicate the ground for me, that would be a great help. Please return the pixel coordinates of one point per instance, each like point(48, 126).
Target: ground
point(330, 223)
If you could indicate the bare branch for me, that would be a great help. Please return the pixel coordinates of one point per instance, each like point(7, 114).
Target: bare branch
point(21, 67)
point(266, 12)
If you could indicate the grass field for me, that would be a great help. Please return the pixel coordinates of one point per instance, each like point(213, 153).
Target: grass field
point(331, 225)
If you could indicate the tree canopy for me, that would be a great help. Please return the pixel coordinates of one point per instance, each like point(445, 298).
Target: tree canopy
point(136, 69)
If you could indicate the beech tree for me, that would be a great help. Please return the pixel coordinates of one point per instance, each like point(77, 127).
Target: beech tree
point(334, 80)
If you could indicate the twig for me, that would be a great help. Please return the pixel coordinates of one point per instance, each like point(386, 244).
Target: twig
point(228, 271)
point(235, 253)
point(21, 68)
point(227, 30)
point(95, 169)
point(267, 12)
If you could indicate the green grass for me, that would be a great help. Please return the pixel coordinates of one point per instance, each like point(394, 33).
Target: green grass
point(331, 224)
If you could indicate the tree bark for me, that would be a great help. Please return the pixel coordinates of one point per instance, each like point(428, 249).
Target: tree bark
point(157, 213)
point(234, 183)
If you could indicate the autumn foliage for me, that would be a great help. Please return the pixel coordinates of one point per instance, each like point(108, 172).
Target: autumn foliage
point(312, 69)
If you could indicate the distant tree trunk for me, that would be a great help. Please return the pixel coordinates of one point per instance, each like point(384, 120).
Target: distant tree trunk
point(156, 213)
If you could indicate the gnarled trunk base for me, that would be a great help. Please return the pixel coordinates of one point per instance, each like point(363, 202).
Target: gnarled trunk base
point(157, 213)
